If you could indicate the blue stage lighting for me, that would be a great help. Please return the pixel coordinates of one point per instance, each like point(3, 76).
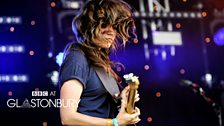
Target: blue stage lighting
point(5, 78)
point(59, 58)
point(12, 49)
point(10, 20)
point(219, 37)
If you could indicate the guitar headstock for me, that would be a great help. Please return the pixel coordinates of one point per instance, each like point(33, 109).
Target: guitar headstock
point(131, 79)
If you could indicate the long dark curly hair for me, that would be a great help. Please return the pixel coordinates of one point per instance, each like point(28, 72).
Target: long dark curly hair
point(97, 14)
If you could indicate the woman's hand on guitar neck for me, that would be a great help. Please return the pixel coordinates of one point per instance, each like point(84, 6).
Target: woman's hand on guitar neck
point(125, 92)
point(123, 117)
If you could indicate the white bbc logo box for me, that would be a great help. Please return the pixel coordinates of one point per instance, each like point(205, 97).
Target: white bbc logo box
point(39, 93)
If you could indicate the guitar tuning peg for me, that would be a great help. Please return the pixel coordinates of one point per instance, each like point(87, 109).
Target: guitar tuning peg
point(125, 76)
point(128, 76)
point(131, 74)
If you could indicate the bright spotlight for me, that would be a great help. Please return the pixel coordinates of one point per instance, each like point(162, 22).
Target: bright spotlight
point(59, 58)
point(16, 78)
point(72, 4)
point(53, 77)
point(219, 37)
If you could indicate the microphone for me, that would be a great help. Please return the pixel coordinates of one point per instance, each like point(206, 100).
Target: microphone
point(196, 88)
point(188, 83)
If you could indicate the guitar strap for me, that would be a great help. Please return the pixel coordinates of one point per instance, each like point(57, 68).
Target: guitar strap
point(108, 81)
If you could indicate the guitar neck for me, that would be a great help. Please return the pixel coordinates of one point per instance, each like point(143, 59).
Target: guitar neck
point(133, 83)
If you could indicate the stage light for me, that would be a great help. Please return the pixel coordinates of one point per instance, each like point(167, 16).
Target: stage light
point(219, 37)
point(14, 78)
point(178, 25)
point(199, 15)
point(17, 20)
point(11, 49)
point(2, 49)
point(192, 15)
point(71, 4)
point(135, 40)
point(172, 15)
point(59, 58)
point(146, 67)
point(186, 15)
point(172, 51)
point(208, 77)
point(158, 94)
point(146, 50)
point(50, 54)
point(217, 27)
point(136, 14)
point(12, 29)
point(164, 55)
point(53, 4)
point(32, 22)
point(23, 78)
point(204, 14)
point(200, 5)
point(53, 77)
point(156, 52)
point(31, 53)
point(144, 29)
point(207, 40)
point(44, 123)
point(166, 38)
point(153, 26)
point(165, 15)
point(169, 26)
point(10, 93)
point(74, 5)
point(20, 48)
point(10, 20)
point(182, 71)
point(149, 119)
point(1, 20)
point(178, 14)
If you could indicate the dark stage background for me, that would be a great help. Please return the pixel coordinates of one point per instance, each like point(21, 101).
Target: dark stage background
point(44, 28)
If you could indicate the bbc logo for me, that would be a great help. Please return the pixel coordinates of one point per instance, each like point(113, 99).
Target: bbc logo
point(39, 93)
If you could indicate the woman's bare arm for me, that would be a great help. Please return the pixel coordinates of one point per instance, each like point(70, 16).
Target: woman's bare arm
point(72, 90)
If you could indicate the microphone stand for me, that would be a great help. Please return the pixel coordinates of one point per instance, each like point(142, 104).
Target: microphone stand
point(216, 107)
point(197, 89)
